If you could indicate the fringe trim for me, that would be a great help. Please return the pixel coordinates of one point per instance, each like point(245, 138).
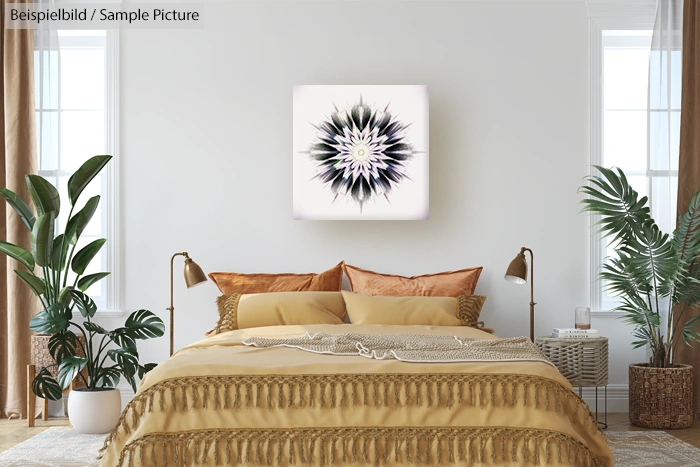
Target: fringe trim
point(371, 446)
point(280, 392)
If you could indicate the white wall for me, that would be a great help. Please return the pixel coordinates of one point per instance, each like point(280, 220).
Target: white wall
point(207, 163)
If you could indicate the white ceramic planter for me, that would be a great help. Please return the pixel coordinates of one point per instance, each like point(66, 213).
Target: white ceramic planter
point(93, 412)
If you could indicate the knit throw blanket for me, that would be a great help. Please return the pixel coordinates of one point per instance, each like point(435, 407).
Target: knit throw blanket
point(416, 348)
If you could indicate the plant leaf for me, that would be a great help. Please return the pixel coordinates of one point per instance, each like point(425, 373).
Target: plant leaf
point(44, 385)
point(69, 369)
point(92, 327)
point(34, 283)
point(143, 324)
point(52, 320)
point(85, 282)
point(44, 195)
point(18, 253)
point(20, 206)
point(64, 296)
point(120, 337)
point(108, 377)
point(82, 259)
point(690, 332)
point(84, 175)
point(63, 344)
point(80, 220)
point(85, 304)
point(145, 369)
point(59, 253)
point(128, 362)
point(42, 239)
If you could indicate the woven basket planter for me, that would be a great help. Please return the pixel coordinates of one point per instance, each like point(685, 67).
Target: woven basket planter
point(41, 356)
point(661, 398)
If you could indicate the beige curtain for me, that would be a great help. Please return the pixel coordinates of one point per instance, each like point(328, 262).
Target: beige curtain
point(689, 158)
point(17, 158)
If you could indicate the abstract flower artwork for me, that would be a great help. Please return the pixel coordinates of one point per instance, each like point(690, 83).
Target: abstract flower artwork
point(361, 152)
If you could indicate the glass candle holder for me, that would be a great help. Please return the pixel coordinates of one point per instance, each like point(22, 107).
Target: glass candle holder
point(582, 319)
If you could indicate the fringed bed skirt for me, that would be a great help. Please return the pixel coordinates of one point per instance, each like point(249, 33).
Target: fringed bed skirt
point(371, 446)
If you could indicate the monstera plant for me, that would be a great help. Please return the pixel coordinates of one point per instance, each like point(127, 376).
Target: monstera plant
point(55, 273)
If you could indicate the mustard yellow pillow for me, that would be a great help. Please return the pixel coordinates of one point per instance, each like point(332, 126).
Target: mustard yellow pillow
point(240, 311)
point(428, 311)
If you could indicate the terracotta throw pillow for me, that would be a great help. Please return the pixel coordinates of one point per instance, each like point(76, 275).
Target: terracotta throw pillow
point(442, 284)
point(241, 311)
point(235, 282)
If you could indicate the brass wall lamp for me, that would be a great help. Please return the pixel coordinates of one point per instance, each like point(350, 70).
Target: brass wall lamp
point(517, 273)
point(193, 277)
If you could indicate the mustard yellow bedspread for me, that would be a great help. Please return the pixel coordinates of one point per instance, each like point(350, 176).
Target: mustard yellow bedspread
point(218, 402)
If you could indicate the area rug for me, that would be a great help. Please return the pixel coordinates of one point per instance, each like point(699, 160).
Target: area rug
point(651, 448)
point(65, 447)
point(55, 447)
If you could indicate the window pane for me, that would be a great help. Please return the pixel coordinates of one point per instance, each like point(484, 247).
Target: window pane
point(47, 140)
point(675, 138)
point(625, 78)
point(82, 78)
point(46, 72)
point(625, 140)
point(663, 152)
point(659, 75)
point(82, 136)
point(664, 191)
point(676, 74)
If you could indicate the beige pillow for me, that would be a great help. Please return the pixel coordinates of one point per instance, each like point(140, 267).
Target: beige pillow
point(240, 311)
point(427, 311)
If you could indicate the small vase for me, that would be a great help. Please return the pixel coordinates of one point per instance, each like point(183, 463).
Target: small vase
point(94, 411)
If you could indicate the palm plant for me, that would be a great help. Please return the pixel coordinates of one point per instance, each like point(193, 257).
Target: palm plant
point(651, 270)
point(60, 295)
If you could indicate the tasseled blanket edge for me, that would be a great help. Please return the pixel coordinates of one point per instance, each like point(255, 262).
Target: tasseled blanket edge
point(371, 446)
point(284, 392)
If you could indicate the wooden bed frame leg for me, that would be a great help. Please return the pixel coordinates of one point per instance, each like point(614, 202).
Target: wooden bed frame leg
point(31, 397)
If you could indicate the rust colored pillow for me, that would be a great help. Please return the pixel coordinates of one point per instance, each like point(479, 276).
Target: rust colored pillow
point(442, 284)
point(234, 282)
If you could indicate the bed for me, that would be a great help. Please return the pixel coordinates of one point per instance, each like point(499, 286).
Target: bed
point(220, 402)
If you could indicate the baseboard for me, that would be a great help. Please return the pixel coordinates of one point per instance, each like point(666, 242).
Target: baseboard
point(126, 392)
point(618, 399)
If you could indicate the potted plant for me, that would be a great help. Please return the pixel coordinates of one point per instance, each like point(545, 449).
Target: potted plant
point(657, 279)
point(54, 272)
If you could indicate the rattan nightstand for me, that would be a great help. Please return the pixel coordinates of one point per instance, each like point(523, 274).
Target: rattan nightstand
point(584, 362)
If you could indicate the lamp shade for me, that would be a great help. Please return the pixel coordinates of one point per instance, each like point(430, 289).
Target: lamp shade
point(517, 270)
point(193, 273)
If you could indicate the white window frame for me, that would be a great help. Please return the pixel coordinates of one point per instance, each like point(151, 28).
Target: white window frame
point(111, 306)
point(624, 15)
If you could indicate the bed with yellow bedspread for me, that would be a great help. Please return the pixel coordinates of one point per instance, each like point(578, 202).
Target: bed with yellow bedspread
point(220, 402)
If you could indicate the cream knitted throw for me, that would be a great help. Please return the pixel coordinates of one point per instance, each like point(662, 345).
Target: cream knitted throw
point(415, 348)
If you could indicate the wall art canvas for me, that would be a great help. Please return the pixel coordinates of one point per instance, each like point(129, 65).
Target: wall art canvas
point(360, 152)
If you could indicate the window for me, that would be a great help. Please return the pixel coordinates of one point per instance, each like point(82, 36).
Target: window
point(76, 118)
point(630, 129)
